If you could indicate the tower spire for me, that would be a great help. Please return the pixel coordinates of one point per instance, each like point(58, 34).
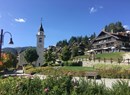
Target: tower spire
point(41, 27)
point(41, 19)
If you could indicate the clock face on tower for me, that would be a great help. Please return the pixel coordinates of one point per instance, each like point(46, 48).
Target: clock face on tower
point(40, 45)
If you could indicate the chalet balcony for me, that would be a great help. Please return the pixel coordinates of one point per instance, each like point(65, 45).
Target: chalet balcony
point(103, 42)
point(104, 48)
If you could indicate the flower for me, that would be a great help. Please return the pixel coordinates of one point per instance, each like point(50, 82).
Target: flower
point(46, 90)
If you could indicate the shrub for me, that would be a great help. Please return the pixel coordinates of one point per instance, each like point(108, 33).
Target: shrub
point(71, 63)
point(120, 87)
point(113, 71)
point(60, 85)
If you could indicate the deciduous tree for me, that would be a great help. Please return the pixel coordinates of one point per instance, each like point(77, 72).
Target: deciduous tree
point(65, 54)
point(31, 55)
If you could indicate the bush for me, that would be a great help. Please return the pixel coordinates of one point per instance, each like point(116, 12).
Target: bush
point(120, 87)
point(71, 63)
point(60, 85)
point(113, 71)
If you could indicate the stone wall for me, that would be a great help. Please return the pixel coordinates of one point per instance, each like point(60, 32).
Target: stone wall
point(87, 62)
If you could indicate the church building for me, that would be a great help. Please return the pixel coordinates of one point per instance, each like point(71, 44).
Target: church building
point(39, 48)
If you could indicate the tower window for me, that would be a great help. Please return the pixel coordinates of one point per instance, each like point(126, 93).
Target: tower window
point(40, 39)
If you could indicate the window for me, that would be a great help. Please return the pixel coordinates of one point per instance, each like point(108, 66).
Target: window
point(40, 39)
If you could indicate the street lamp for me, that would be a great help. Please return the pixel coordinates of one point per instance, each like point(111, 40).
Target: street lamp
point(2, 39)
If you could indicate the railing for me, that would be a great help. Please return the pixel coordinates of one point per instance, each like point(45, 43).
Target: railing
point(104, 42)
point(104, 60)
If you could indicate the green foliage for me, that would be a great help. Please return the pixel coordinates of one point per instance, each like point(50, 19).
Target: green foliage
point(113, 71)
point(66, 54)
point(70, 63)
point(114, 27)
point(60, 85)
point(90, 87)
point(20, 86)
point(50, 56)
point(74, 52)
point(62, 43)
point(31, 55)
point(104, 70)
point(76, 45)
point(108, 56)
point(75, 70)
point(120, 87)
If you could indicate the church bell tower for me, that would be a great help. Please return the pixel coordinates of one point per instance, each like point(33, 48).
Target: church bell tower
point(40, 46)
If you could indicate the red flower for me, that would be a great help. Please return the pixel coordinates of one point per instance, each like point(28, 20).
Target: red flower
point(46, 90)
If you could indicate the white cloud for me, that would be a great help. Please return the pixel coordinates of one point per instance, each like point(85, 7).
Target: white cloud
point(92, 10)
point(95, 9)
point(126, 26)
point(20, 20)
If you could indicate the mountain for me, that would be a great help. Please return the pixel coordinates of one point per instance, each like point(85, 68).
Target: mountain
point(16, 50)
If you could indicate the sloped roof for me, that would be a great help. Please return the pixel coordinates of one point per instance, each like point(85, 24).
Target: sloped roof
point(119, 36)
point(41, 28)
point(110, 34)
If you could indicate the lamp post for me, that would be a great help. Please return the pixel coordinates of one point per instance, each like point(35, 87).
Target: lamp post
point(2, 40)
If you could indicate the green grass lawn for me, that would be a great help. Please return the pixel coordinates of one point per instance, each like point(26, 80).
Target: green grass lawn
point(113, 55)
point(77, 68)
point(65, 70)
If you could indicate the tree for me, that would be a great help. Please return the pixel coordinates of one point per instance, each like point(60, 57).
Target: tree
point(62, 43)
point(119, 27)
point(50, 56)
point(93, 36)
point(65, 54)
point(72, 40)
point(31, 55)
point(8, 60)
point(81, 49)
point(74, 51)
point(115, 27)
point(79, 39)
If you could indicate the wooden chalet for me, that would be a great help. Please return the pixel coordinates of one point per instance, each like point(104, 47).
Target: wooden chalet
point(111, 42)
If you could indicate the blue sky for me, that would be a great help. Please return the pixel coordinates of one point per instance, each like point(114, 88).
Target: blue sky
point(61, 18)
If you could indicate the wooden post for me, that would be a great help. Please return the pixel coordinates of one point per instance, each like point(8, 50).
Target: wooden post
point(119, 61)
point(111, 60)
point(94, 59)
point(128, 60)
point(104, 60)
point(99, 59)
